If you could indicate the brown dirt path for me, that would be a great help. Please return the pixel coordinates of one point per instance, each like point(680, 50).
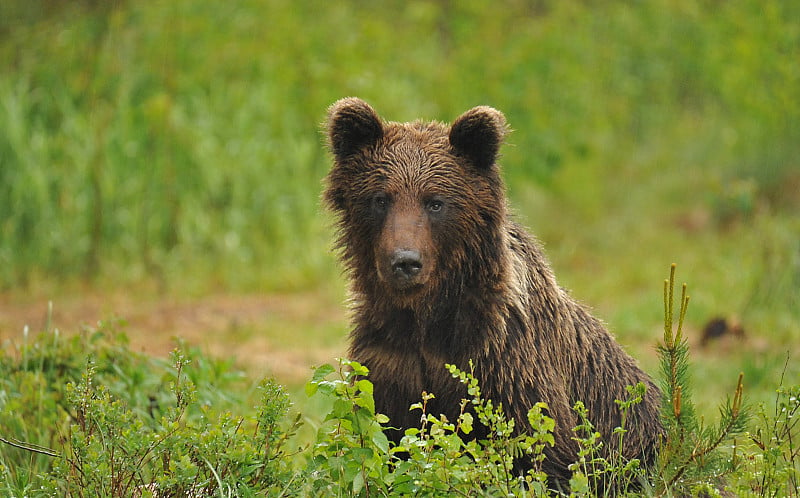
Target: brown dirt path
point(280, 335)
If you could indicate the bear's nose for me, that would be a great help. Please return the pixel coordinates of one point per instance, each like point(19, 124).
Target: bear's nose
point(406, 264)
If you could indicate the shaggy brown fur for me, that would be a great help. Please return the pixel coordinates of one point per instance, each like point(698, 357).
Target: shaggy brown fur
point(441, 274)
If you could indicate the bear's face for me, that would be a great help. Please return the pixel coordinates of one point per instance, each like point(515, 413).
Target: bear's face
point(413, 199)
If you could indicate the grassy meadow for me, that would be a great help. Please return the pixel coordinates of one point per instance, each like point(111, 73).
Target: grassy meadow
point(168, 150)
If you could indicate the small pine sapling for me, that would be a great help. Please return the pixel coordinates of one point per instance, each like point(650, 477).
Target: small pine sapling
point(691, 453)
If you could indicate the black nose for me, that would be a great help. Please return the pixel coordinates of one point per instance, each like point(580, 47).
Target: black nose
point(406, 264)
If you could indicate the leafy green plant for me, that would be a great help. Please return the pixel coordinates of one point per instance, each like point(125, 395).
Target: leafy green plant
point(108, 429)
point(351, 454)
point(496, 454)
point(605, 473)
point(191, 449)
point(770, 456)
point(33, 401)
point(445, 458)
point(353, 457)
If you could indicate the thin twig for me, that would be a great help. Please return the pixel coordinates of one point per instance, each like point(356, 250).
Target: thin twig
point(42, 450)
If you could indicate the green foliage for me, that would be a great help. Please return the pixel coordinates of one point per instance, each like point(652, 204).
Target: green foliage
point(113, 451)
point(692, 454)
point(85, 416)
point(160, 139)
point(33, 402)
point(352, 456)
point(771, 460)
point(596, 474)
point(496, 454)
point(127, 425)
point(442, 457)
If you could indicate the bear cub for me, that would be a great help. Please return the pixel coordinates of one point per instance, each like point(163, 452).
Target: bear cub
point(441, 273)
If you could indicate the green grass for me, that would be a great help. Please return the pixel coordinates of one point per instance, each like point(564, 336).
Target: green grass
point(179, 141)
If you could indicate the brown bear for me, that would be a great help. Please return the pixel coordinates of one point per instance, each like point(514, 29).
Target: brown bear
point(440, 273)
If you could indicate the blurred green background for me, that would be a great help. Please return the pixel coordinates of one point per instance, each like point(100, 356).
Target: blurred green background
point(176, 145)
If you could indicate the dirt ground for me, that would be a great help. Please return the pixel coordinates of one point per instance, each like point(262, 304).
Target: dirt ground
point(265, 334)
point(279, 335)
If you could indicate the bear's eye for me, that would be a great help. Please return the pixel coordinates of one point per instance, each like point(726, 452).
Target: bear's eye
point(435, 205)
point(380, 202)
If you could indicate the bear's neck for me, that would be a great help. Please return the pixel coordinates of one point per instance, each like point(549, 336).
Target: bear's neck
point(444, 321)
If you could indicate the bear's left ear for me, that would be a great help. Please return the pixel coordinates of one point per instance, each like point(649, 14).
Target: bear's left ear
point(478, 133)
point(352, 125)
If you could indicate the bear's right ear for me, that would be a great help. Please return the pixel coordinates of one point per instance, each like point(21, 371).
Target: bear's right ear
point(352, 125)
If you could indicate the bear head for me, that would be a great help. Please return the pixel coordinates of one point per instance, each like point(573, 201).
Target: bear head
point(420, 206)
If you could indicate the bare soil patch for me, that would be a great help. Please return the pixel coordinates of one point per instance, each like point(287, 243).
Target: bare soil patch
point(264, 334)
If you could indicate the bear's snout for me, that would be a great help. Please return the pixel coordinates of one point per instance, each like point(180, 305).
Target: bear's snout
point(406, 264)
point(402, 254)
point(404, 269)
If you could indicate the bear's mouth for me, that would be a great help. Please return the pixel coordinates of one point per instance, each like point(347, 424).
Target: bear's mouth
point(402, 283)
point(406, 288)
